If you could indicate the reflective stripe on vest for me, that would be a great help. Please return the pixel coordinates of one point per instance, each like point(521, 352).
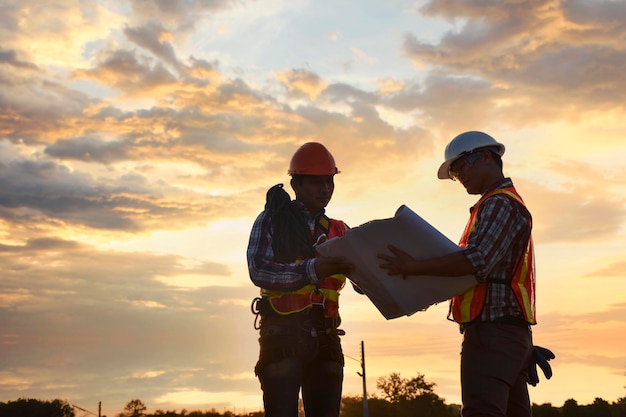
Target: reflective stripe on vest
point(305, 297)
point(467, 307)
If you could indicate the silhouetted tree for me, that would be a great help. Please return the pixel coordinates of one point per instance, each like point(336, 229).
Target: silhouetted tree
point(134, 408)
point(401, 397)
point(599, 408)
point(618, 408)
point(353, 407)
point(162, 413)
point(545, 410)
point(397, 389)
point(571, 409)
point(36, 408)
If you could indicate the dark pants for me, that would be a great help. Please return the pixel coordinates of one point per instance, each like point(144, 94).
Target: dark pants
point(494, 364)
point(294, 358)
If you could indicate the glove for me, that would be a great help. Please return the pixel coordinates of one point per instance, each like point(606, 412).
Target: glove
point(540, 357)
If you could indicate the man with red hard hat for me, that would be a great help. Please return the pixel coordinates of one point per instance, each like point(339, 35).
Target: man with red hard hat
point(497, 356)
point(298, 307)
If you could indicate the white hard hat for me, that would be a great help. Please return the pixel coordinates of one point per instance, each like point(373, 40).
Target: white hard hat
point(464, 144)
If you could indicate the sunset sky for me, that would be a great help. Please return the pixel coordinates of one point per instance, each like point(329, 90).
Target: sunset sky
point(138, 139)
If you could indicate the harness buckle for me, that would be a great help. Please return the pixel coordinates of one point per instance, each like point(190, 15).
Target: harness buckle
point(317, 291)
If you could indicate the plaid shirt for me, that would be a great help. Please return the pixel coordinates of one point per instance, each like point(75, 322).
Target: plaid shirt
point(265, 272)
point(494, 248)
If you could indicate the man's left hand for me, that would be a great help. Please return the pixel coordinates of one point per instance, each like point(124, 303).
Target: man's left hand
point(398, 264)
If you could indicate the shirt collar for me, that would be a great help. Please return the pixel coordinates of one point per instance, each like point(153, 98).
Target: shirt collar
point(306, 211)
point(505, 183)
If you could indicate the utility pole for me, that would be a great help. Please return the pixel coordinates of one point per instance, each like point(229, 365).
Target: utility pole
point(362, 375)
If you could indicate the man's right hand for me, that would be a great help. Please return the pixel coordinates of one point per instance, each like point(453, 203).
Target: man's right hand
point(330, 265)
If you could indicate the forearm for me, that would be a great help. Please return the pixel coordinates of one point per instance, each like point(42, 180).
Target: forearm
point(265, 271)
point(281, 276)
point(454, 264)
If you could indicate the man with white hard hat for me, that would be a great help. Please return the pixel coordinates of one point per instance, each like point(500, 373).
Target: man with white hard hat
point(495, 315)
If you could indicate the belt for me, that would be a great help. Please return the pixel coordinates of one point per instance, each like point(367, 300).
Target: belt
point(509, 320)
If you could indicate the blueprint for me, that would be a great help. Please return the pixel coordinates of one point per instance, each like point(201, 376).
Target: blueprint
point(393, 296)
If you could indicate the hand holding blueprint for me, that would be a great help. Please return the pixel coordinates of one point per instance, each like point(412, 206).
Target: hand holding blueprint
point(392, 295)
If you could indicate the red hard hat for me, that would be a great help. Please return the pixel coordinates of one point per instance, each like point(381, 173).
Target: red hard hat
point(312, 158)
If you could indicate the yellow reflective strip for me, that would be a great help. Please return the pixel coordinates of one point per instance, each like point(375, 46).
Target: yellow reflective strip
point(523, 273)
point(302, 291)
point(466, 305)
point(324, 222)
point(522, 288)
point(290, 311)
point(507, 192)
point(331, 295)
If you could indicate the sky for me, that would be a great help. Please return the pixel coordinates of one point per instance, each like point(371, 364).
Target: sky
point(138, 139)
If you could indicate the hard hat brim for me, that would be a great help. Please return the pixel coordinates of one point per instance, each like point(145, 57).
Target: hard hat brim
point(444, 170)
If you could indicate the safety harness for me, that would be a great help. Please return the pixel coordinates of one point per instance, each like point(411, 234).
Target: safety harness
point(319, 300)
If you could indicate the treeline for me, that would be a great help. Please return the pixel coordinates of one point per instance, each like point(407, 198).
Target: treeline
point(414, 397)
point(351, 407)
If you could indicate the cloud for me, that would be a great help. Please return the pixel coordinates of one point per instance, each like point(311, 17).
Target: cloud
point(153, 38)
point(86, 149)
point(531, 49)
point(559, 334)
point(34, 107)
point(83, 315)
point(302, 82)
point(561, 215)
point(613, 270)
point(125, 70)
point(179, 15)
point(9, 57)
point(41, 244)
point(607, 15)
point(44, 192)
point(36, 190)
point(457, 102)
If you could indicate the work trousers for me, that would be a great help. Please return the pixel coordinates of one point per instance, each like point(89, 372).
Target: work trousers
point(494, 369)
point(294, 358)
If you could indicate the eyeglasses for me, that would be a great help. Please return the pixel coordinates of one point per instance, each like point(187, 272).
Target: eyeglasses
point(463, 163)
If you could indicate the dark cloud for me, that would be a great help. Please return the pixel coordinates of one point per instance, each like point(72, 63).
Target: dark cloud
point(605, 14)
point(457, 102)
point(346, 92)
point(41, 244)
point(149, 37)
point(128, 71)
point(33, 106)
point(37, 192)
point(179, 16)
point(88, 149)
point(589, 71)
point(9, 57)
point(8, 17)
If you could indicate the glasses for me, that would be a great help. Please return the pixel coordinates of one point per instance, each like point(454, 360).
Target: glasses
point(463, 163)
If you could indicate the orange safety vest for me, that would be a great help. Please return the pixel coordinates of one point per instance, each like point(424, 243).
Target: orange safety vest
point(326, 292)
point(467, 307)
